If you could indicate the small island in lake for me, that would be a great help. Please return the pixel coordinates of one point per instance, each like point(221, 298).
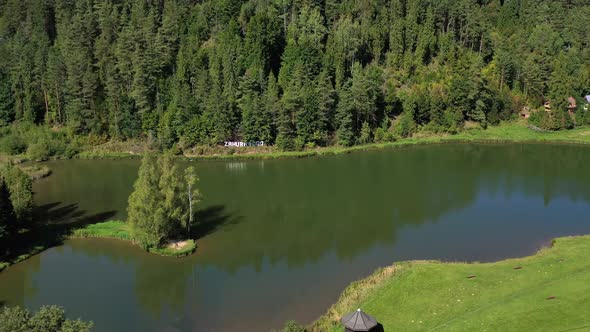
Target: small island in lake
point(161, 210)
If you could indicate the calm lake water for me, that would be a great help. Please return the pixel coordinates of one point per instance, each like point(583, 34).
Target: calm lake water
point(285, 237)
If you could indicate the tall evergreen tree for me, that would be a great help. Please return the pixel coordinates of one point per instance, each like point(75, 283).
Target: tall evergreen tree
point(345, 115)
point(8, 223)
point(146, 212)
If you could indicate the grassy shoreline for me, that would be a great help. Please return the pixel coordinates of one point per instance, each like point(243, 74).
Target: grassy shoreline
point(546, 291)
point(517, 132)
point(52, 236)
point(120, 230)
point(508, 132)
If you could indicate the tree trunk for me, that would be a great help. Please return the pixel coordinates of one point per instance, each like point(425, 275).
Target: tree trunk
point(190, 207)
point(46, 104)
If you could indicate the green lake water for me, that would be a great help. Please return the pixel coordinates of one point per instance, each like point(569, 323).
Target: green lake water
point(283, 238)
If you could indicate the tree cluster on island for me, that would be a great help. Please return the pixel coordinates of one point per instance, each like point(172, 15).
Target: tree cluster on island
point(162, 205)
point(295, 73)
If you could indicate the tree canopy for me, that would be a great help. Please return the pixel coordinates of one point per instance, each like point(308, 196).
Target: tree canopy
point(296, 73)
point(162, 204)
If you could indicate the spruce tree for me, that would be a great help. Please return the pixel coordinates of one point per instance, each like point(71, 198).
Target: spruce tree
point(146, 214)
point(8, 222)
point(344, 115)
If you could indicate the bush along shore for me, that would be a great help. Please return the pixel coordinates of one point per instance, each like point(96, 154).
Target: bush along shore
point(518, 132)
point(545, 291)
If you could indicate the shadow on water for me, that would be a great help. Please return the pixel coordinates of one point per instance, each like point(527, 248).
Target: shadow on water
point(212, 219)
point(68, 217)
point(53, 223)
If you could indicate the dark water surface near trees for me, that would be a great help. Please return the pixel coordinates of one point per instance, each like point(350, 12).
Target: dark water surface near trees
point(281, 239)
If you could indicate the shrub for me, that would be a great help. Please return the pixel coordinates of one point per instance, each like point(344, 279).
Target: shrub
point(292, 326)
point(13, 144)
point(47, 319)
point(299, 143)
point(365, 137)
point(405, 125)
point(39, 151)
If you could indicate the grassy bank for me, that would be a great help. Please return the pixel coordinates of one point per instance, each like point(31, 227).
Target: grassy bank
point(549, 291)
point(36, 172)
point(120, 230)
point(516, 131)
point(506, 132)
point(30, 243)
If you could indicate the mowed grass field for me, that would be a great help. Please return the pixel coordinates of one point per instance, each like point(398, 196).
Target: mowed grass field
point(549, 291)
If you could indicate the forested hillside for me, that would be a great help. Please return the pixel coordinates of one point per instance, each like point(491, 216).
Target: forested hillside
point(294, 73)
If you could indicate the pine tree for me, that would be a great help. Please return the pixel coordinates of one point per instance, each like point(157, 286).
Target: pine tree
point(7, 114)
point(147, 215)
point(249, 105)
point(326, 99)
point(172, 188)
point(8, 222)
point(345, 115)
point(272, 108)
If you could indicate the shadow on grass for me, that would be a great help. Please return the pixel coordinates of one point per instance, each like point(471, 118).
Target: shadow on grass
point(212, 219)
point(53, 223)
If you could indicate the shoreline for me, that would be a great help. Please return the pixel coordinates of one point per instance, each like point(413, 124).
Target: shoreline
point(385, 293)
point(119, 230)
point(113, 230)
point(513, 132)
point(505, 133)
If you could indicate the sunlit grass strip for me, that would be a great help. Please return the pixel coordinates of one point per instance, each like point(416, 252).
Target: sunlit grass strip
point(548, 291)
point(109, 229)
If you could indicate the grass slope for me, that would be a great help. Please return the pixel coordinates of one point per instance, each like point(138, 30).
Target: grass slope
point(549, 291)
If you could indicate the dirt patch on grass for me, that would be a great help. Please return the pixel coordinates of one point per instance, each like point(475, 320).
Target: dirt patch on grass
point(178, 245)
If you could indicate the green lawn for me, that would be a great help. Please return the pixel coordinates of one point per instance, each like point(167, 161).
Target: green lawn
point(108, 229)
point(550, 292)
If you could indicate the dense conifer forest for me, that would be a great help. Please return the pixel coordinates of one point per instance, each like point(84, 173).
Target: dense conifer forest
point(294, 73)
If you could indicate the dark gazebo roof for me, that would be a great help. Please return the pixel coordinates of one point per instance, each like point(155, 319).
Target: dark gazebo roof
point(358, 321)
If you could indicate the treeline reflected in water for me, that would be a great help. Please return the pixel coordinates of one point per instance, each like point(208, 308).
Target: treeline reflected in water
point(275, 234)
point(297, 211)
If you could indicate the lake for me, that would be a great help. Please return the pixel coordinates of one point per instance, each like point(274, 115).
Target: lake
point(283, 238)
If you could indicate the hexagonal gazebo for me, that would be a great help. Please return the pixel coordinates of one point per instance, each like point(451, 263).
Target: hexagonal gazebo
point(360, 321)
